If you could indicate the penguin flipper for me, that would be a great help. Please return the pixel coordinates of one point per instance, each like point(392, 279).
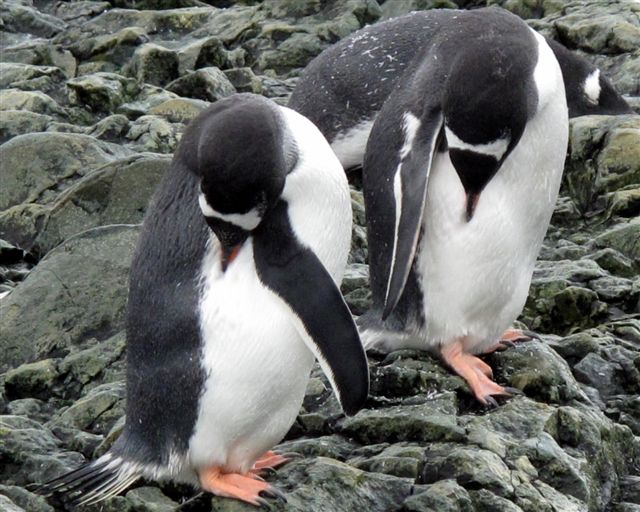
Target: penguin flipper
point(295, 274)
point(409, 174)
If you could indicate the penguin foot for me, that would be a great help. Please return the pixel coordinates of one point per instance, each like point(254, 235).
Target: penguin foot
point(509, 339)
point(270, 460)
point(247, 488)
point(475, 371)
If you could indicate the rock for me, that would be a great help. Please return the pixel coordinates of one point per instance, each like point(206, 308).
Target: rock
point(111, 128)
point(209, 84)
point(603, 156)
point(244, 80)
point(23, 18)
point(154, 64)
point(324, 484)
point(22, 223)
point(31, 379)
point(398, 460)
point(79, 289)
point(153, 133)
point(31, 101)
point(179, 110)
point(468, 466)
point(8, 505)
point(150, 499)
point(624, 238)
point(34, 164)
point(30, 77)
point(443, 496)
point(117, 193)
point(28, 453)
point(96, 412)
point(19, 122)
point(598, 373)
point(99, 92)
point(538, 371)
point(25, 499)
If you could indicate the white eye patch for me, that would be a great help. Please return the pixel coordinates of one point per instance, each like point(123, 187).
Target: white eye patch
point(496, 148)
point(247, 221)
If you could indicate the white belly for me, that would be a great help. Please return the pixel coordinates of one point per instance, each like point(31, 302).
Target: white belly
point(257, 368)
point(475, 275)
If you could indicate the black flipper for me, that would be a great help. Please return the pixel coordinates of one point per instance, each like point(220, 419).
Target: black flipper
point(296, 275)
point(410, 179)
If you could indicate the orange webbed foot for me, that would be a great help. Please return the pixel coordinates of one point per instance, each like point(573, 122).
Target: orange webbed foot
point(509, 338)
point(248, 487)
point(476, 372)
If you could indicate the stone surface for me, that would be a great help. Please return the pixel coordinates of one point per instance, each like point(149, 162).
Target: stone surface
point(95, 95)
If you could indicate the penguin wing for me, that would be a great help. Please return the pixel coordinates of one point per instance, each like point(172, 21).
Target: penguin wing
point(397, 165)
point(296, 275)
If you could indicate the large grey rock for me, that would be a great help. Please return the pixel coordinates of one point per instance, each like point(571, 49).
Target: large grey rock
point(37, 166)
point(117, 193)
point(78, 290)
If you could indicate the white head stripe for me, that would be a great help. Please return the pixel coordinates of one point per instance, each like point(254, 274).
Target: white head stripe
point(592, 87)
point(495, 148)
point(246, 221)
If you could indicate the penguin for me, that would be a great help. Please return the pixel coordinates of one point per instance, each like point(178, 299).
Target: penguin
point(233, 292)
point(461, 173)
point(342, 90)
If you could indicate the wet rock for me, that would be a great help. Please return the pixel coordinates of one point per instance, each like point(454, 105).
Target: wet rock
point(78, 290)
point(209, 84)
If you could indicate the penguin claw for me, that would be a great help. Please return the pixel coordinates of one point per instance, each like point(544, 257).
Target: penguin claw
point(274, 493)
point(507, 343)
point(532, 335)
point(490, 401)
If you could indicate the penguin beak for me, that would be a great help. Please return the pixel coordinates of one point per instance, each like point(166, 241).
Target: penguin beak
point(231, 239)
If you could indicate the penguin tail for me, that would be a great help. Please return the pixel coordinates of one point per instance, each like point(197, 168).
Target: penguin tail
point(95, 481)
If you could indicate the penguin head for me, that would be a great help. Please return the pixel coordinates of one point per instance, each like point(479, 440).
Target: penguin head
point(486, 103)
point(242, 156)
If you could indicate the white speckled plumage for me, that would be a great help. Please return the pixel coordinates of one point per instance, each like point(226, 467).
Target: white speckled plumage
point(475, 275)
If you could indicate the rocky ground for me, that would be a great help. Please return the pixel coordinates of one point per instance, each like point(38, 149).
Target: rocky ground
point(94, 96)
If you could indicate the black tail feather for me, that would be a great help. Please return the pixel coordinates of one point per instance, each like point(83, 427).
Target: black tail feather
point(94, 481)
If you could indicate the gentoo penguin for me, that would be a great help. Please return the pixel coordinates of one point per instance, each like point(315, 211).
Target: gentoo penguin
point(233, 291)
point(342, 90)
point(460, 177)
